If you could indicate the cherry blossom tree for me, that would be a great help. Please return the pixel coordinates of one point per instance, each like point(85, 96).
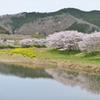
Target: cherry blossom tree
point(65, 40)
point(1, 43)
point(91, 42)
point(32, 42)
point(26, 42)
point(9, 43)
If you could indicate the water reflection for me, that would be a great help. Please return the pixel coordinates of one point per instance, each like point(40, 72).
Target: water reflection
point(23, 72)
point(91, 83)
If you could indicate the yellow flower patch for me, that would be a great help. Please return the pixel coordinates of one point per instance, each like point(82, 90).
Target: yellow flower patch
point(24, 51)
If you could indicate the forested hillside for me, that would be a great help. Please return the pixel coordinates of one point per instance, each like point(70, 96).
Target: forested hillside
point(48, 23)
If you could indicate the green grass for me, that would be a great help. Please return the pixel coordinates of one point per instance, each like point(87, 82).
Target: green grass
point(54, 54)
point(75, 56)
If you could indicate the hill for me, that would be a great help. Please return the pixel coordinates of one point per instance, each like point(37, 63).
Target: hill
point(48, 23)
point(3, 31)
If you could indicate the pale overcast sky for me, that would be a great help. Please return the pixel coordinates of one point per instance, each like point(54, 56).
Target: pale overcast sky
point(17, 6)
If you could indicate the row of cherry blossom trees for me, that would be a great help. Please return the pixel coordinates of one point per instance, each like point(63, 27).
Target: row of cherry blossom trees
point(65, 40)
point(68, 40)
point(73, 40)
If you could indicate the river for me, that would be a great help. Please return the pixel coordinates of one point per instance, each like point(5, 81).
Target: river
point(20, 83)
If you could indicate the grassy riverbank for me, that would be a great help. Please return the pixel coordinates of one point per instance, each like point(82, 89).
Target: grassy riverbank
point(34, 56)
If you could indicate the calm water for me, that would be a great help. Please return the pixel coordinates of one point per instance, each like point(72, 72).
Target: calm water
point(18, 83)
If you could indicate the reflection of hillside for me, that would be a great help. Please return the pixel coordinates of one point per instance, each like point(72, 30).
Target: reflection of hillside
point(89, 82)
point(24, 72)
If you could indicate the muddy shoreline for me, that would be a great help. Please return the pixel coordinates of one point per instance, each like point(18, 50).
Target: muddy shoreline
point(18, 59)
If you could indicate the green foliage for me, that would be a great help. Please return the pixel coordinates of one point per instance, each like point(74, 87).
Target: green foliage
point(92, 17)
point(38, 35)
point(78, 27)
point(29, 17)
point(3, 31)
point(17, 22)
point(65, 52)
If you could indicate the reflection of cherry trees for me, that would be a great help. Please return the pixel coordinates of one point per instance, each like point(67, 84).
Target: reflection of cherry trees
point(89, 82)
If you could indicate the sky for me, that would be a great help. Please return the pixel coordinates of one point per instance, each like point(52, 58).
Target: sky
point(17, 6)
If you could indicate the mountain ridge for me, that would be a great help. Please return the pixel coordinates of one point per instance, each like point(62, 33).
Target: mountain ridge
point(48, 23)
